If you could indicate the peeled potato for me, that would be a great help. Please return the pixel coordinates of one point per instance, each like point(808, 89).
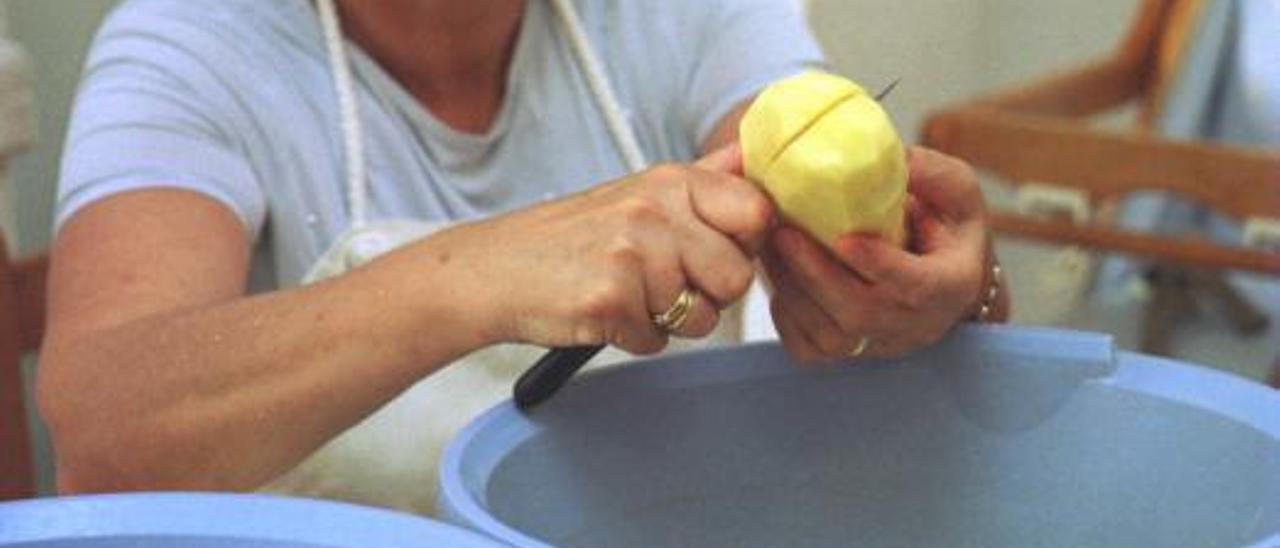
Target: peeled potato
point(828, 155)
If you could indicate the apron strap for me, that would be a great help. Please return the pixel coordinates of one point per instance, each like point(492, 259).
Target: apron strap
point(349, 117)
point(624, 136)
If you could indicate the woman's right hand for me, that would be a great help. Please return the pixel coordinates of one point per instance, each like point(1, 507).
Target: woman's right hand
point(595, 267)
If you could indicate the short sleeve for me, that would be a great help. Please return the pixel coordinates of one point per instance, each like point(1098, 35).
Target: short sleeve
point(743, 45)
point(154, 111)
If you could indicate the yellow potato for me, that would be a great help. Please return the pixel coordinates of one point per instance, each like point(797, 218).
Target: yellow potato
point(828, 155)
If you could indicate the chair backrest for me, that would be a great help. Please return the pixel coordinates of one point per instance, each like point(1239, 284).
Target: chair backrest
point(1031, 132)
point(1161, 37)
point(22, 309)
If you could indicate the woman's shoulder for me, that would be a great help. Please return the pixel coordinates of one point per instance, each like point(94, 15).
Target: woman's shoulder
point(223, 70)
point(202, 43)
point(203, 13)
point(191, 23)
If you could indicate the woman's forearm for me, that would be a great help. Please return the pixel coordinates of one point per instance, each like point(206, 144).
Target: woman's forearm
point(230, 395)
point(158, 373)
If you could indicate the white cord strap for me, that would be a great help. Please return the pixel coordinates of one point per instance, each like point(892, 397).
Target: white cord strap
point(623, 134)
point(352, 134)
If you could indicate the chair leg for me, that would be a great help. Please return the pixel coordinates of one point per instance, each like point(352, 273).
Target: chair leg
point(1243, 315)
point(17, 475)
point(17, 472)
point(1171, 302)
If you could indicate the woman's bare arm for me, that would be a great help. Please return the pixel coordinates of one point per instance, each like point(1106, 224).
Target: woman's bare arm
point(157, 371)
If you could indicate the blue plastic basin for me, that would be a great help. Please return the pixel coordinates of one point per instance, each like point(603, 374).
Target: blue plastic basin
point(998, 436)
point(209, 520)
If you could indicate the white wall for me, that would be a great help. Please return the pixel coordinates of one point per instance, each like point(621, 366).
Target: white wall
point(933, 45)
point(946, 50)
point(16, 125)
point(1028, 37)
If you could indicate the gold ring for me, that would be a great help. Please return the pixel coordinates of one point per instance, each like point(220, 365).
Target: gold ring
point(674, 317)
point(861, 347)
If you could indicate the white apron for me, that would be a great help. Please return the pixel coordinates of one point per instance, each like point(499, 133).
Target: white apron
point(390, 458)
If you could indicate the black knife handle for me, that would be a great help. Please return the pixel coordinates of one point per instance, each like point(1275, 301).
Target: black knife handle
point(546, 377)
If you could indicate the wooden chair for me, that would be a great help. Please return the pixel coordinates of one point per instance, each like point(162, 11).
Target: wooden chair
point(22, 283)
point(1039, 132)
point(22, 307)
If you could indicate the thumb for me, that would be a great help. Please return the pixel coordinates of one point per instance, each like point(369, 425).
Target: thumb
point(726, 159)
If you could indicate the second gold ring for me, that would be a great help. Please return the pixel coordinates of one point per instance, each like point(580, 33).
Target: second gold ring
point(675, 316)
point(863, 343)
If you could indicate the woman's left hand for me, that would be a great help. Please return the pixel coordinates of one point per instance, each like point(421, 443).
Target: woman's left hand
point(825, 303)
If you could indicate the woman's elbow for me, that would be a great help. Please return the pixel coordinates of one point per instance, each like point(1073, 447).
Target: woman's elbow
point(90, 453)
point(81, 463)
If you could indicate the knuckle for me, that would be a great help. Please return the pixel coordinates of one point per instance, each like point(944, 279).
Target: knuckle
point(604, 305)
point(642, 208)
point(964, 169)
point(624, 251)
point(664, 170)
point(734, 283)
point(966, 179)
point(669, 173)
point(590, 333)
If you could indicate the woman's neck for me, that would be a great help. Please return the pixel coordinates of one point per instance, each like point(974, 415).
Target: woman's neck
point(451, 55)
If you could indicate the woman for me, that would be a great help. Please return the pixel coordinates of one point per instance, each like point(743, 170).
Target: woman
point(215, 139)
